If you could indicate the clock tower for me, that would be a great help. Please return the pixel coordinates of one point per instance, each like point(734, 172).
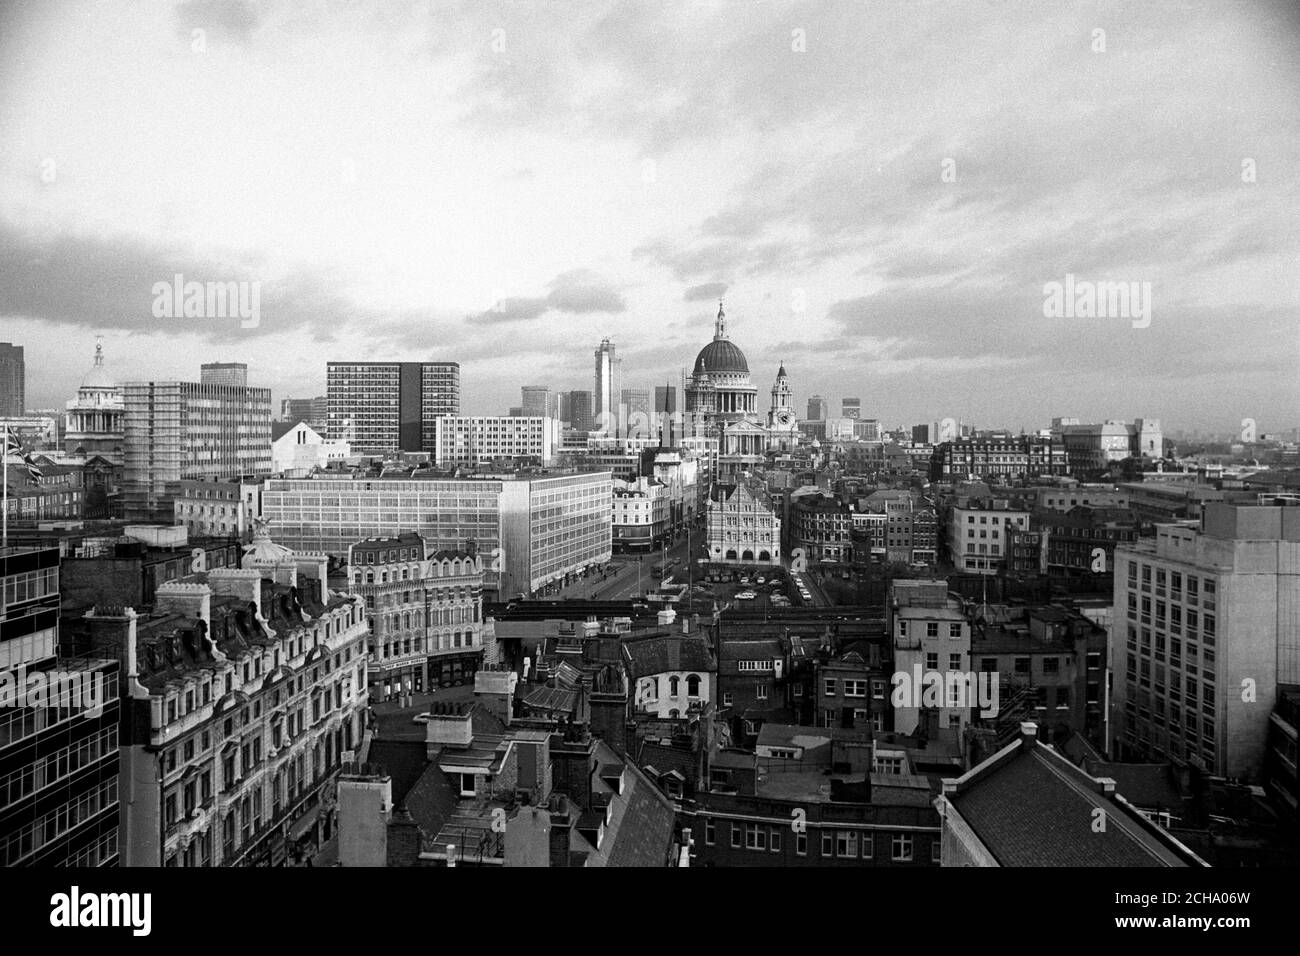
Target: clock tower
point(782, 423)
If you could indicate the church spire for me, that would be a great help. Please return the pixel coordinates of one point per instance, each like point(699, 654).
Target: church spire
point(720, 325)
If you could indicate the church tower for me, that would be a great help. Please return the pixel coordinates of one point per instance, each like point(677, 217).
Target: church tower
point(782, 422)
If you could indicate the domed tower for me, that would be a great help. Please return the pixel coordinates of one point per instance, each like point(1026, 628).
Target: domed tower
point(720, 379)
point(95, 420)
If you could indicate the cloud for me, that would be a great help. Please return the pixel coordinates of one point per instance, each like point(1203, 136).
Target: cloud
point(706, 291)
point(577, 292)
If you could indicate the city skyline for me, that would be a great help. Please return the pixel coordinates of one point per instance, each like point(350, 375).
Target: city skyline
point(893, 239)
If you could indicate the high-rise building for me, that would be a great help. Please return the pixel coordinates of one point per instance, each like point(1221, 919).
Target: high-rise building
point(59, 727)
point(175, 430)
point(666, 398)
point(540, 402)
point(224, 373)
point(390, 406)
point(604, 408)
point(817, 409)
point(636, 406)
point(13, 386)
point(851, 408)
point(1207, 627)
point(580, 413)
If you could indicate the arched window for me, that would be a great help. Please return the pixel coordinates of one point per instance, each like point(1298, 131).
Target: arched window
point(693, 685)
point(673, 685)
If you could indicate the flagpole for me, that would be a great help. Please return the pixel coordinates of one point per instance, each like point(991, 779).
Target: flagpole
point(4, 507)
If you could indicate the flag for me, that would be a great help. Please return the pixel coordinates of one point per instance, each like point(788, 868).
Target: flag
point(12, 447)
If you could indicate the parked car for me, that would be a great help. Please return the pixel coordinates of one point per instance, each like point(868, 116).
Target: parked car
point(746, 596)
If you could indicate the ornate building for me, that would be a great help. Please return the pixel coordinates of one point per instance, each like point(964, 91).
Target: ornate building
point(94, 421)
point(723, 402)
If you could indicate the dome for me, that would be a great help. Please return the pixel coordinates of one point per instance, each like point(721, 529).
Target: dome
point(721, 356)
point(98, 376)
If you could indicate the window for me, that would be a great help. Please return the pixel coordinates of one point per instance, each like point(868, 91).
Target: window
point(829, 685)
point(710, 831)
point(1022, 665)
point(735, 836)
point(726, 700)
point(828, 843)
point(755, 836)
point(846, 844)
point(1051, 665)
point(901, 847)
point(855, 688)
point(801, 844)
point(467, 784)
point(954, 630)
point(693, 685)
point(954, 662)
point(932, 629)
point(760, 691)
point(936, 851)
point(674, 684)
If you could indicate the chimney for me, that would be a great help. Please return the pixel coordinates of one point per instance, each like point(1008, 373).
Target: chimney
point(495, 685)
point(1028, 734)
point(561, 830)
point(313, 565)
point(191, 600)
point(449, 726)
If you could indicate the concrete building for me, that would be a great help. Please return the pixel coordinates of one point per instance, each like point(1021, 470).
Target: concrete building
point(819, 528)
point(579, 413)
point(390, 406)
point(224, 373)
point(977, 533)
point(932, 642)
point(302, 449)
point(245, 690)
point(176, 430)
point(217, 508)
point(851, 408)
point(13, 381)
point(1207, 626)
point(60, 727)
point(425, 612)
point(608, 385)
point(817, 409)
point(469, 440)
point(531, 530)
point(903, 526)
point(538, 401)
point(313, 411)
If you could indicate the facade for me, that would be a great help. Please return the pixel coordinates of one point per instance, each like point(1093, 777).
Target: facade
point(59, 769)
point(1207, 626)
point(931, 636)
point(818, 409)
point(742, 529)
point(245, 691)
point(58, 494)
point(531, 530)
point(176, 430)
point(643, 513)
point(302, 449)
point(217, 509)
point(851, 408)
point(1002, 456)
point(425, 613)
point(13, 381)
point(671, 676)
point(538, 401)
point(820, 526)
point(978, 533)
point(1083, 540)
point(905, 526)
point(579, 415)
point(468, 440)
point(636, 413)
point(94, 422)
point(390, 406)
point(852, 689)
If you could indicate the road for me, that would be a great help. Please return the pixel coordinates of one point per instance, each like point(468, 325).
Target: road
point(624, 582)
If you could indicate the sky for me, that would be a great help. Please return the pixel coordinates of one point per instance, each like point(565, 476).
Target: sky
point(880, 192)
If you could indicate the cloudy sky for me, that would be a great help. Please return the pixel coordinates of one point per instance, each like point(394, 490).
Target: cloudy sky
point(879, 190)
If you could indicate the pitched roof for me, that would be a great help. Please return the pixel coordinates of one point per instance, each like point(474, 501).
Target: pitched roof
point(658, 655)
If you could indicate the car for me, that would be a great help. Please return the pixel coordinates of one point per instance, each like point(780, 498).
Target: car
point(746, 596)
point(744, 579)
point(760, 580)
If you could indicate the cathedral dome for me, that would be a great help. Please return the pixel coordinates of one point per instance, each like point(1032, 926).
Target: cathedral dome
point(98, 377)
point(721, 356)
